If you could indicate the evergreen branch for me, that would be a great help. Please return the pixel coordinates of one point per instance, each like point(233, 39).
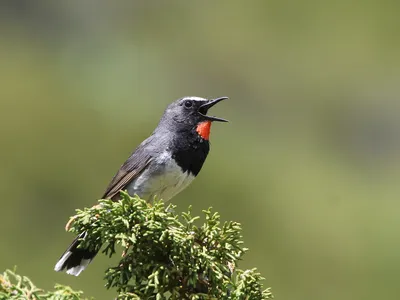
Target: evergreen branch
point(14, 286)
point(166, 256)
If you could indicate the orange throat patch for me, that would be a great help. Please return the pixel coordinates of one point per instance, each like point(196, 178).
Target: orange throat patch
point(203, 129)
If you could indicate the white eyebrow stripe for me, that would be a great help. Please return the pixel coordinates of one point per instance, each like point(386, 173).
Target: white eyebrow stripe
point(195, 98)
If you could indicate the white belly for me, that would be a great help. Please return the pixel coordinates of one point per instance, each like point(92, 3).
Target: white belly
point(163, 180)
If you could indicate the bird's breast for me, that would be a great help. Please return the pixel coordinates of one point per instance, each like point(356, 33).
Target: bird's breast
point(163, 179)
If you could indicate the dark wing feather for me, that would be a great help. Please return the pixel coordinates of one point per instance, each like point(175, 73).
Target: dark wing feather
point(130, 170)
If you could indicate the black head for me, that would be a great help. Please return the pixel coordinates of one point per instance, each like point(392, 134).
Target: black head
point(191, 111)
point(185, 129)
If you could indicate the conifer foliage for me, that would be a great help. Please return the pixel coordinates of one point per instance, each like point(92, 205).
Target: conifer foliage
point(165, 255)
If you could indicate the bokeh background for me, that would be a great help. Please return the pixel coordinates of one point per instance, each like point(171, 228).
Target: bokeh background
point(309, 163)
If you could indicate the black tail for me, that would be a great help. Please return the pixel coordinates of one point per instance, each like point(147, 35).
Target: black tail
point(75, 259)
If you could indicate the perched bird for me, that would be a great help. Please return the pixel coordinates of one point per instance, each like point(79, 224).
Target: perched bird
point(161, 166)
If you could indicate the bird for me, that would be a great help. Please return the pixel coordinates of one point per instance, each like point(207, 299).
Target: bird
point(161, 166)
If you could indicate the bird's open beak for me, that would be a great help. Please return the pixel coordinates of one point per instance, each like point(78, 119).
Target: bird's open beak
point(205, 107)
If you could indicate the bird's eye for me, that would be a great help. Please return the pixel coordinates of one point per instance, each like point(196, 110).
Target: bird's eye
point(188, 103)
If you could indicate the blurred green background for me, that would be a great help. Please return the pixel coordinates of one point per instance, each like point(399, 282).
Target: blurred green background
point(309, 163)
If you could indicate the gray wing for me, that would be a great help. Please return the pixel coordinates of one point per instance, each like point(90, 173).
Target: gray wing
point(131, 169)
